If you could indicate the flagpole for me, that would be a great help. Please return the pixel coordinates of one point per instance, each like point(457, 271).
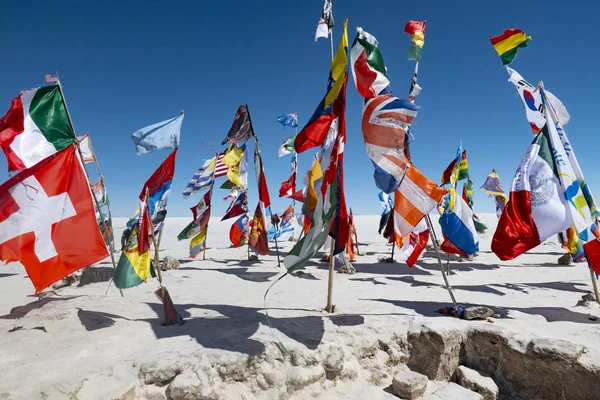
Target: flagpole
point(329, 307)
point(156, 255)
point(210, 202)
point(110, 244)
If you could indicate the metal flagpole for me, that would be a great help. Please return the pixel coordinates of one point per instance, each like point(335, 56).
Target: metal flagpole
point(112, 257)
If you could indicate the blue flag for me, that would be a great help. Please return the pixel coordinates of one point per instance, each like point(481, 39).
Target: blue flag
point(163, 135)
point(289, 120)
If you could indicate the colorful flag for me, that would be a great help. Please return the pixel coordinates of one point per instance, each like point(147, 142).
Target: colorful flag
point(531, 99)
point(325, 21)
point(259, 239)
point(458, 228)
point(387, 202)
point(47, 220)
point(202, 179)
point(36, 126)
point(287, 147)
point(261, 180)
point(285, 229)
point(467, 193)
point(162, 135)
point(87, 151)
point(51, 78)
point(492, 187)
point(415, 243)
point(201, 215)
point(100, 192)
point(237, 207)
point(386, 118)
point(507, 44)
point(233, 159)
point(463, 169)
point(368, 68)
point(198, 243)
point(241, 128)
point(238, 234)
point(415, 198)
point(221, 169)
point(315, 176)
point(134, 264)
point(159, 187)
point(315, 131)
point(232, 195)
point(538, 205)
point(416, 29)
point(289, 187)
point(290, 119)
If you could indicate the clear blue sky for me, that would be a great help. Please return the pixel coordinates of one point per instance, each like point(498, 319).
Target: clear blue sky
point(125, 65)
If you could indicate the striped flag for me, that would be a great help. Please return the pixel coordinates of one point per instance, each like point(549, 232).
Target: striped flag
point(415, 243)
point(203, 178)
point(221, 168)
point(415, 198)
point(463, 168)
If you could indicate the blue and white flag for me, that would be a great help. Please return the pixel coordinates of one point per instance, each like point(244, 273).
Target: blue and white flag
point(284, 231)
point(386, 202)
point(203, 178)
point(289, 120)
point(163, 135)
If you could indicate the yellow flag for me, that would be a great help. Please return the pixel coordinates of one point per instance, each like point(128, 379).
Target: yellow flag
point(338, 67)
point(314, 174)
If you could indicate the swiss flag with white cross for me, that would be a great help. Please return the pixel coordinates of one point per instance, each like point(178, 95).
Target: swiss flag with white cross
point(47, 220)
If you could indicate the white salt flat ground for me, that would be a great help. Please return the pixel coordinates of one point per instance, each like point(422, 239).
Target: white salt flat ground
point(94, 343)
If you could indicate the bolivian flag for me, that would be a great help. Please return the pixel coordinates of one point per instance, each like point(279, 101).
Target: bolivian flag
point(508, 44)
point(134, 265)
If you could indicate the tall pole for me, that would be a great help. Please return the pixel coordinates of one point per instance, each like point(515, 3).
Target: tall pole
point(110, 244)
point(210, 202)
point(437, 253)
point(156, 255)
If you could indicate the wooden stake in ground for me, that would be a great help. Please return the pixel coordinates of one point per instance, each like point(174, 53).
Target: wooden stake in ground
point(329, 307)
point(595, 285)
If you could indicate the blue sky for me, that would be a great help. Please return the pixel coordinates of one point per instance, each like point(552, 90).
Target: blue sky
point(125, 65)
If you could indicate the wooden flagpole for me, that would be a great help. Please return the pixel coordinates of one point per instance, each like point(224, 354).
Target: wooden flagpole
point(211, 195)
point(329, 307)
point(154, 242)
point(110, 244)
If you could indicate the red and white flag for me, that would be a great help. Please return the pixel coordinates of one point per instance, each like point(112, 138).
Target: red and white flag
point(47, 220)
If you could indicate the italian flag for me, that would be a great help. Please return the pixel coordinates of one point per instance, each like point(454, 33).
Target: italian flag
point(537, 208)
point(35, 127)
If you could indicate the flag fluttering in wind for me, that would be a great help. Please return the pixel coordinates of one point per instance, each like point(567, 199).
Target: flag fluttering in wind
point(463, 169)
point(289, 187)
point(241, 128)
point(238, 206)
point(532, 102)
point(238, 233)
point(198, 242)
point(87, 151)
point(315, 131)
point(237, 166)
point(134, 264)
point(221, 169)
point(325, 21)
point(203, 178)
point(201, 216)
point(100, 191)
point(290, 119)
point(387, 202)
point(48, 221)
point(162, 135)
point(507, 44)
point(285, 229)
point(287, 147)
point(159, 187)
point(415, 243)
point(36, 126)
point(416, 29)
point(259, 238)
point(493, 188)
point(386, 118)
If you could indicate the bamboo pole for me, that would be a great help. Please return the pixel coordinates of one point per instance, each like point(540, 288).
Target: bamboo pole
point(329, 307)
point(112, 257)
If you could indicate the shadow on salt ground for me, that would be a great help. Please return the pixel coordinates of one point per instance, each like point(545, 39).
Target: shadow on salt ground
point(470, 288)
point(372, 280)
point(387, 269)
point(21, 311)
point(551, 314)
point(232, 331)
point(243, 273)
point(6, 275)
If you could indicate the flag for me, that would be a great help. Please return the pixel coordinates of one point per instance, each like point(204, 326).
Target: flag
point(237, 166)
point(368, 68)
point(415, 243)
point(85, 145)
point(415, 198)
point(507, 44)
point(201, 215)
point(289, 187)
point(386, 118)
point(172, 317)
point(47, 220)
point(100, 193)
point(538, 205)
point(232, 195)
point(162, 135)
point(315, 131)
point(592, 254)
point(458, 228)
point(238, 234)
point(531, 99)
point(237, 207)
point(202, 179)
point(463, 169)
point(36, 126)
point(287, 147)
point(387, 202)
point(416, 29)
point(315, 177)
point(261, 180)
point(221, 169)
point(290, 119)
point(241, 128)
point(259, 239)
point(492, 187)
point(133, 267)
point(198, 243)
point(325, 21)
point(51, 78)
point(159, 187)
point(467, 193)
point(285, 229)
point(574, 245)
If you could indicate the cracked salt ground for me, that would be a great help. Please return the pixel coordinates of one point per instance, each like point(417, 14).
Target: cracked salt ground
point(385, 325)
